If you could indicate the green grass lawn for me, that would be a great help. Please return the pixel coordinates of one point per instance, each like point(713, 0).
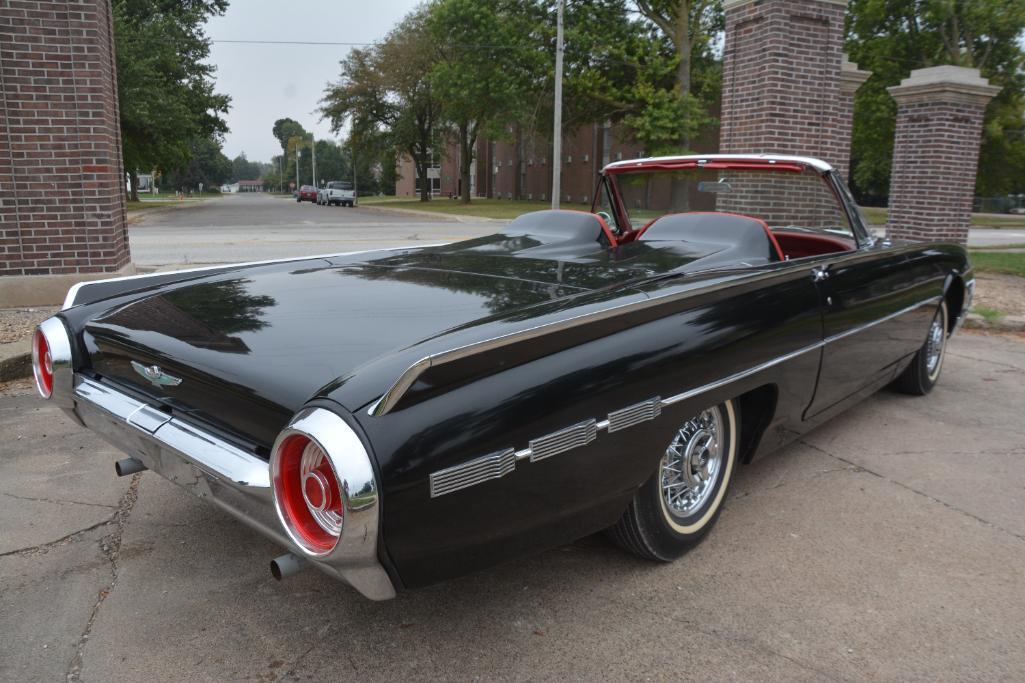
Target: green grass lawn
point(1006, 262)
point(484, 208)
point(143, 206)
point(876, 215)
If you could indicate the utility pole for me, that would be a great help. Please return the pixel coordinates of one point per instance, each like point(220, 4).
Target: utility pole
point(313, 148)
point(281, 177)
point(355, 185)
point(557, 132)
point(298, 153)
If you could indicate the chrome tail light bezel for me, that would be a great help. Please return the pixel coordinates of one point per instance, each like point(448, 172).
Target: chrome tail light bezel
point(58, 341)
point(350, 462)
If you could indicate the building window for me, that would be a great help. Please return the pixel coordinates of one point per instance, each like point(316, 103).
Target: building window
point(543, 162)
point(585, 158)
point(619, 156)
point(530, 162)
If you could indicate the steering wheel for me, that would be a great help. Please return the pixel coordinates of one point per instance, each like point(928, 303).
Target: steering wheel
point(605, 216)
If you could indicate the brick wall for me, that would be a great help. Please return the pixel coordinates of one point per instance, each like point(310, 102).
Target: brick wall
point(781, 79)
point(61, 176)
point(936, 153)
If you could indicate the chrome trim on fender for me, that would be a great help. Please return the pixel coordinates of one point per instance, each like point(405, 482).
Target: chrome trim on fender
point(635, 414)
point(559, 441)
point(563, 440)
point(484, 468)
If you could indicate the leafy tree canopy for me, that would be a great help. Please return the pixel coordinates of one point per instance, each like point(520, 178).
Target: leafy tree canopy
point(165, 83)
point(893, 37)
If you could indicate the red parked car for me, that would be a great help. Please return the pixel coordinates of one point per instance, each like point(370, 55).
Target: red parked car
point(307, 193)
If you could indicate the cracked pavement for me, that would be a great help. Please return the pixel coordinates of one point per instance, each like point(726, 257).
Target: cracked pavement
point(889, 543)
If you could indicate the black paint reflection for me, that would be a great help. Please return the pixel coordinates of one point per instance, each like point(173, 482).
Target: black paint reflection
point(204, 315)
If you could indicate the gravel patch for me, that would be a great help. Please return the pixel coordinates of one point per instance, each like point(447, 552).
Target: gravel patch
point(17, 324)
point(1004, 293)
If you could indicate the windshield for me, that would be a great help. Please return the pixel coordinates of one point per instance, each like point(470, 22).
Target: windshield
point(339, 185)
point(789, 200)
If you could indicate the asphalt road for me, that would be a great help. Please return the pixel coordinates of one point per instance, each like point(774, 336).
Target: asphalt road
point(888, 544)
point(257, 227)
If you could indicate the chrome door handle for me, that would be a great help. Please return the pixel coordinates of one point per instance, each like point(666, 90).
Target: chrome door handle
point(819, 273)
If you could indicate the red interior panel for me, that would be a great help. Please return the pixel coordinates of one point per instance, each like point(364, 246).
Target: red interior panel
point(796, 245)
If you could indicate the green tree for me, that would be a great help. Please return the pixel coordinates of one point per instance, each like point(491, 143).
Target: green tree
point(244, 169)
point(207, 165)
point(893, 37)
point(387, 90)
point(478, 75)
point(690, 27)
point(165, 83)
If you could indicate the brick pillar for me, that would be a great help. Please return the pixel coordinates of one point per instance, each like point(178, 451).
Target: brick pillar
point(851, 78)
point(936, 152)
point(782, 79)
point(62, 210)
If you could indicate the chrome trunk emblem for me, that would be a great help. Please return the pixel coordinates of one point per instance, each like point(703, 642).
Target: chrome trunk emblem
point(155, 376)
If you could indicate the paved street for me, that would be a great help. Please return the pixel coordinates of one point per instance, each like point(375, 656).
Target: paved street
point(257, 227)
point(888, 544)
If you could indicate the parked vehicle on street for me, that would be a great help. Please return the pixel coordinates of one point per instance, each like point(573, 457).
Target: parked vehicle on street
point(307, 193)
point(399, 417)
point(337, 192)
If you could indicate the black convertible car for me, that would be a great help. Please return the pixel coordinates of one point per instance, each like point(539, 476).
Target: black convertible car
point(399, 417)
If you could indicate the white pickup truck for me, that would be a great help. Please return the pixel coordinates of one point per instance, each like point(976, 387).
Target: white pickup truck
point(339, 192)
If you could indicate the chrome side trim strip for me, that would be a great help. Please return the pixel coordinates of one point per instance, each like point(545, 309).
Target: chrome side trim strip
point(635, 414)
point(485, 468)
point(563, 440)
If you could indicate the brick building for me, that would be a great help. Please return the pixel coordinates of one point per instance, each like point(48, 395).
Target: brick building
point(504, 170)
point(61, 177)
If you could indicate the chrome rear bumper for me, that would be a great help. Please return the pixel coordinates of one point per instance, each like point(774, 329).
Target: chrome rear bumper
point(211, 468)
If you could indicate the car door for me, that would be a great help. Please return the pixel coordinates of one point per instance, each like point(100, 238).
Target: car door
point(877, 302)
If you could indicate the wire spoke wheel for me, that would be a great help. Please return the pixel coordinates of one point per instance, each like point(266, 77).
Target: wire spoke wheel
point(692, 462)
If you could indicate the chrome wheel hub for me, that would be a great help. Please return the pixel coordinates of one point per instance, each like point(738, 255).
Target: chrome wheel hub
point(934, 344)
point(692, 463)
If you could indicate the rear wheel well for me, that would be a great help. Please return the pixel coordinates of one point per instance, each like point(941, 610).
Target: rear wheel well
point(954, 295)
point(757, 408)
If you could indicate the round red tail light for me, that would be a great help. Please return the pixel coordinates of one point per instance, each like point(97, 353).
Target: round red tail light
point(306, 489)
point(42, 364)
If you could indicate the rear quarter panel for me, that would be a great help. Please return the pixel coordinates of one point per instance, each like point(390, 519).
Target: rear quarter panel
point(695, 338)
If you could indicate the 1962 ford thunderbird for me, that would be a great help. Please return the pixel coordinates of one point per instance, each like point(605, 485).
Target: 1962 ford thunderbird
point(399, 417)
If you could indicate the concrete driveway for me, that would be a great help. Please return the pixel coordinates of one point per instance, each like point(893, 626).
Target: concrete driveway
point(888, 544)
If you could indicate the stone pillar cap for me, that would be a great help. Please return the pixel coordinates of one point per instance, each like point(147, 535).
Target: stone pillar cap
point(850, 75)
point(958, 83)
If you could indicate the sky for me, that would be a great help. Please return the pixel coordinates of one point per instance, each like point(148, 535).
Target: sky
point(269, 82)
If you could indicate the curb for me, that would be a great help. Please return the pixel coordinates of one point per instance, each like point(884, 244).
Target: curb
point(15, 361)
point(433, 214)
point(1008, 323)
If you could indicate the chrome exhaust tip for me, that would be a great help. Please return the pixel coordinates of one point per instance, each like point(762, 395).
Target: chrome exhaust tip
point(128, 466)
point(286, 565)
